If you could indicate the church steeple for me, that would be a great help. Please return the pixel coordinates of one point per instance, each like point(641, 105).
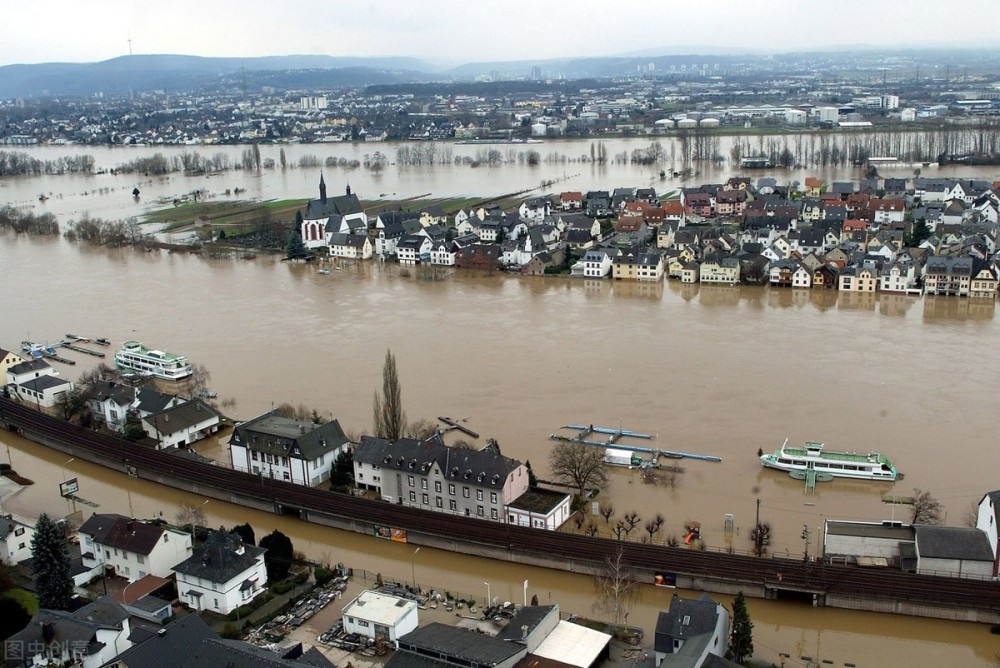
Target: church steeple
point(322, 189)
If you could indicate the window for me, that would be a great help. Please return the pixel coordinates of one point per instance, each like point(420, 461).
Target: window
point(253, 455)
point(409, 480)
point(465, 492)
point(413, 497)
point(141, 559)
point(424, 499)
point(452, 505)
point(479, 495)
point(437, 486)
point(493, 497)
point(493, 513)
point(423, 483)
point(479, 511)
point(451, 488)
point(216, 603)
point(438, 502)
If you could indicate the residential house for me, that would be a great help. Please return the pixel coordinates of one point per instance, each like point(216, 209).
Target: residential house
point(7, 360)
point(988, 521)
point(89, 637)
point(597, 263)
point(888, 210)
point(674, 212)
point(780, 272)
point(814, 186)
point(665, 235)
point(698, 204)
point(113, 544)
point(110, 403)
point(857, 278)
point(414, 249)
point(948, 275)
point(638, 266)
point(730, 202)
point(690, 632)
point(387, 237)
point(438, 644)
point(725, 271)
point(571, 201)
point(484, 257)
point(443, 252)
point(16, 537)
point(380, 616)
point(536, 209)
point(802, 277)
point(898, 277)
point(433, 476)
point(811, 210)
point(36, 382)
point(222, 574)
point(181, 425)
point(826, 276)
point(984, 280)
point(281, 448)
point(689, 272)
point(351, 246)
point(851, 226)
point(319, 212)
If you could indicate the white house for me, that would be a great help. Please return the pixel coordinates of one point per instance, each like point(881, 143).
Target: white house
point(897, 277)
point(130, 548)
point(223, 574)
point(89, 637)
point(987, 519)
point(284, 449)
point(376, 615)
point(535, 209)
point(597, 263)
point(7, 360)
point(691, 631)
point(181, 425)
point(351, 246)
point(539, 508)
point(16, 537)
point(36, 382)
point(443, 253)
point(110, 403)
point(414, 248)
point(802, 277)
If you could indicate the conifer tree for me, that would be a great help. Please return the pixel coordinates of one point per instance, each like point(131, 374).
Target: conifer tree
point(50, 564)
point(741, 634)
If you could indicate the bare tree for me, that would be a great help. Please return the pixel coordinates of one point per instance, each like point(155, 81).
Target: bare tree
point(579, 465)
point(926, 509)
point(620, 530)
point(191, 514)
point(592, 530)
point(387, 408)
point(651, 527)
point(970, 517)
point(631, 520)
point(607, 510)
point(760, 536)
point(617, 589)
point(421, 430)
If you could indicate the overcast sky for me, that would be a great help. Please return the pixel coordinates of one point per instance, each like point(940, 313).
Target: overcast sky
point(457, 31)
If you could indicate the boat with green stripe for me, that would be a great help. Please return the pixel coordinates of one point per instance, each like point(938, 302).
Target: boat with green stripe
point(812, 456)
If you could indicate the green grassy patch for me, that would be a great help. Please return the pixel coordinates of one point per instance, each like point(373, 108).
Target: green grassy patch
point(27, 600)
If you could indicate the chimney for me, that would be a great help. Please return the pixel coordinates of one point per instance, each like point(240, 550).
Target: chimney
point(524, 632)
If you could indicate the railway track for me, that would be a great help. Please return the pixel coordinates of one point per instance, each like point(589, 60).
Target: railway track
point(776, 574)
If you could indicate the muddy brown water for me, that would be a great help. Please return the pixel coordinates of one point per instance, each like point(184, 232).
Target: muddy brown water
point(708, 370)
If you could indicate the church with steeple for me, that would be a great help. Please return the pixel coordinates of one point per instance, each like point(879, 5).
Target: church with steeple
point(327, 216)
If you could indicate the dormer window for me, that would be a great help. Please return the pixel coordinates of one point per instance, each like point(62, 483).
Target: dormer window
point(468, 473)
point(413, 463)
point(387, 459)
point(480, 477)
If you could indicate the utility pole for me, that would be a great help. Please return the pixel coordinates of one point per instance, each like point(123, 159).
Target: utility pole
point(805, 537)
point(130, 44)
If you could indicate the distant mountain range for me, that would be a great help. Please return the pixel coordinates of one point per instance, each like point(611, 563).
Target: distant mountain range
point(173, 73)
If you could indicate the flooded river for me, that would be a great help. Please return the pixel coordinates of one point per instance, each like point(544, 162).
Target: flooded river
point(721, 371)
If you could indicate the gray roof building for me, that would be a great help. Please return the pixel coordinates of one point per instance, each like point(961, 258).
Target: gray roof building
point(220, 558)
point(276, 435)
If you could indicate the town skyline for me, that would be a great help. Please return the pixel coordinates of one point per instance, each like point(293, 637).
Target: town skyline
point(446, 33)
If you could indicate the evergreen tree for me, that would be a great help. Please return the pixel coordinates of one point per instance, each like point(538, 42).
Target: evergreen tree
point(532, 478)
point(741, 635)
point(245, 531)
point(295, 248)
point(50, 563)
point(278, 558)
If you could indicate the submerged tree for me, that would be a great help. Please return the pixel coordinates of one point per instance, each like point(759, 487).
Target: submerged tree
point(50, 564)
point(617, 588)
point(926, 509)
point(279, 555)
point(579, 465)
point(387, 407)
point(741, 634)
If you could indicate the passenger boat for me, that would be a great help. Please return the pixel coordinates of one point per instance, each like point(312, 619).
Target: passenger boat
point(134, 356)
point(812, 456)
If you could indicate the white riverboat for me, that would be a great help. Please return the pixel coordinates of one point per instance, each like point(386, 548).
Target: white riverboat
point(134, 356)
point(812, 456)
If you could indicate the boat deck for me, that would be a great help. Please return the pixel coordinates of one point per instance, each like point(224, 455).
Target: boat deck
point(836, 456)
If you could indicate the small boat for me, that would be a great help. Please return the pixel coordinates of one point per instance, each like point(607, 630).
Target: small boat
point(81, 339)
point(323, 271)
point(812, 456)
point(102, 342)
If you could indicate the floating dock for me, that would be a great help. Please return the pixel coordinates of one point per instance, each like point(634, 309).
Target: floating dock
point(58, 358)
point(613, 442)
point(81, 349)
point(452, 424)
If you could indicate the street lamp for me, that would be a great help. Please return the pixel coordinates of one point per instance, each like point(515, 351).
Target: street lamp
point(68, 462)
point(489, 599)
point(526, 593)
point(413, 566)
